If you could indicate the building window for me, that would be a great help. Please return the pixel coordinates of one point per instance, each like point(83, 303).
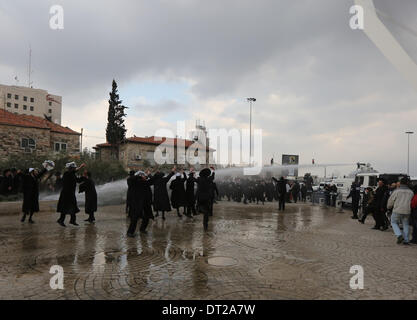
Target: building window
point(31, 108)
point(60, 146)
point(9, 104)
point(32, 100)
point(16, 106)
point(25, 107)
point(9, 95)
point(50, 103)
point(25, 98)
point(16, 97)
point(28, 144)
point(50, 110)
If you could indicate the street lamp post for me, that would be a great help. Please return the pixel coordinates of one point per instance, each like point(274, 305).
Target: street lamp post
point(250, 129)
point(408, 133)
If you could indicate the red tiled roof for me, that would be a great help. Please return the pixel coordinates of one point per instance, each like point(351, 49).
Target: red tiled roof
point(153, 140)
point(28, 121)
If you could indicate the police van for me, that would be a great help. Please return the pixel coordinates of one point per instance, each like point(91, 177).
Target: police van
point(365, 180)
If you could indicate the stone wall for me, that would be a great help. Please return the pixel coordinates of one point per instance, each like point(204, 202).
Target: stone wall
point(11, 137)
point(72, 141)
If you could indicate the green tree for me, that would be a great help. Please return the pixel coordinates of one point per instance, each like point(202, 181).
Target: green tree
point(115, 131)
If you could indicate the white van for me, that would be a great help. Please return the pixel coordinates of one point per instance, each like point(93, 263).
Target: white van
point(343, 187)
point(371, 179)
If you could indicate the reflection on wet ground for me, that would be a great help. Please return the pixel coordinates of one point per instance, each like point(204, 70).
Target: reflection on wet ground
point(250, 252)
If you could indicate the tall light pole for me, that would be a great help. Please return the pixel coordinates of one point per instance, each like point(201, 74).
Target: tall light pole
point(250, 129)
point(408, 133)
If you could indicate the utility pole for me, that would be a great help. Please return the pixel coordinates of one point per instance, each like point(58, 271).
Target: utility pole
point(408, 133)
point(30, 66)
point(81, 140)
point(250, 129)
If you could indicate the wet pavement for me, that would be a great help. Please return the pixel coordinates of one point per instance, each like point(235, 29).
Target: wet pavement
point(249, 252)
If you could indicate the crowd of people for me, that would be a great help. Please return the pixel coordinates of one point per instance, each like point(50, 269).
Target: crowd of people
point(11, 182)
point(190, 194)
point(259, 190)
point(391, 205)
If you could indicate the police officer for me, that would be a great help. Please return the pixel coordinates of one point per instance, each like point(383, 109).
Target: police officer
point(355, 193)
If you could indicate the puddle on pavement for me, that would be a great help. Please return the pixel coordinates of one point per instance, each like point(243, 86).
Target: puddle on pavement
point(222, 261)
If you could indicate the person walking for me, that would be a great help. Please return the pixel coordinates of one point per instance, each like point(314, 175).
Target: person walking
point(67, 203)
point(400, 202)
point(30, 188)
point(160, 192)
point(178, 196)
point(367, 204)
point(204, 192)
point(189, 194)
point(281, 187)
point(355, 193)
point(89, 188)
point(141, 202)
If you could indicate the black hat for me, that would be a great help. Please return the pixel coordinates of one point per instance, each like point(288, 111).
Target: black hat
point(206, 172)
point(131, 172)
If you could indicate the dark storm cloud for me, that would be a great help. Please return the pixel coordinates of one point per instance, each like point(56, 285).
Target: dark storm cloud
point(328, 80)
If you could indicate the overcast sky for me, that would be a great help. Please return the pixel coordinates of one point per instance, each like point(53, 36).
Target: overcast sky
point(323, 90)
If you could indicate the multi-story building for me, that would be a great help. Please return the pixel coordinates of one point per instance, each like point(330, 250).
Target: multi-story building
point(23, 134)
point(30, 101)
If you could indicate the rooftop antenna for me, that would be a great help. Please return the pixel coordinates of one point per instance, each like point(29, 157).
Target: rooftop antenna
point(30, 67)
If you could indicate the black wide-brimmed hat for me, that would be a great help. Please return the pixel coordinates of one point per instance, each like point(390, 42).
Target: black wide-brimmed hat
point(206, 172)
point(159, 174)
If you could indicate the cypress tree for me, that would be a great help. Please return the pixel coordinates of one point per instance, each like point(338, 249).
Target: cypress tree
point(115, 131)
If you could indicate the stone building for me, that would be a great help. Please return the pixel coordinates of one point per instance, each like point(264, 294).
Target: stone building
point(24, 134)
point(135, 152)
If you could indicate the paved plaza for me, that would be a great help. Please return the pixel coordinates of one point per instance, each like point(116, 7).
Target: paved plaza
point(250, 252)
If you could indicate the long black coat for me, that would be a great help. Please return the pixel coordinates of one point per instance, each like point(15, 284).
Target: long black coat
point(89, 188)
point(189, 190)
point(140, 204)
point(178, 198)
point(281, 187)
point(30, 188)
point(160, 192)
point(204, 193)
point(67, 202)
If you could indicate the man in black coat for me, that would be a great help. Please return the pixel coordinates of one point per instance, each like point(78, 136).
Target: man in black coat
point(7, 182)
point(355, 193)
point(189, 194)
point(17, 181)
point(204, 192)
point(89, 188)
point(178, 197)
point(380, 205)
point(30, 188)
point(295, 190)
point(160, 193)
point(129, 190)
point(141, 202)
point(260, 192)
point(281, 186)
point(67, 203)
